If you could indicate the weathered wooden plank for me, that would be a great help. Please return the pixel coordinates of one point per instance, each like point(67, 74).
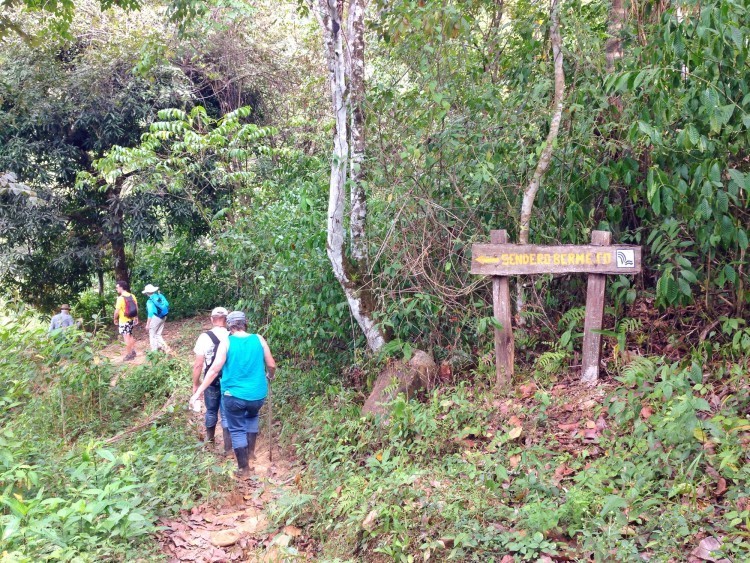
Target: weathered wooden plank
point(514, 259)
point(504, 345)
point(592, 324)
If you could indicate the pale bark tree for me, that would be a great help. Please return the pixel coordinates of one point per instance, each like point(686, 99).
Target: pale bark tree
point(529, 194)
point(344, 50)
point(613, 47)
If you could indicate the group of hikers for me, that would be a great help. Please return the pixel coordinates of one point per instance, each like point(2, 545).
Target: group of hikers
point(230, 372)
point(126, 317)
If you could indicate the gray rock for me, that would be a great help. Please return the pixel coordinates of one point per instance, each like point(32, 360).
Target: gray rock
point(399, 377)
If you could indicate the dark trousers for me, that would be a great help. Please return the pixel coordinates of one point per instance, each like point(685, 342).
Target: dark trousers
point(214, 405)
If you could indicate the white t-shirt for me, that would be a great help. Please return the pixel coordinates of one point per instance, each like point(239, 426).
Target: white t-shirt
point(205, 347)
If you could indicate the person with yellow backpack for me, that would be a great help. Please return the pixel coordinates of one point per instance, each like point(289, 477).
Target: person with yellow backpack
point(126, 317)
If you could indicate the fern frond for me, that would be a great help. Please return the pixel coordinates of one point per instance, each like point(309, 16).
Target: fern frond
point(640, 367)
point(572, 317)
point(551, 361)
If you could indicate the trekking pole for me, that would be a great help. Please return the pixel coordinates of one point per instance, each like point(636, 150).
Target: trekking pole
point(270, 424)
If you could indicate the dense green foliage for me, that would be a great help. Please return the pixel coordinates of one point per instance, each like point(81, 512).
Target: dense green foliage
point(65, 494)
point(470, 475)
point(197, 151)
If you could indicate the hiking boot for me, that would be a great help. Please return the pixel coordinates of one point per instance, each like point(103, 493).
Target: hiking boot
point(243, 465)
point(129, 357)
point(251, 439)
point(227, 441)
point(210, 435)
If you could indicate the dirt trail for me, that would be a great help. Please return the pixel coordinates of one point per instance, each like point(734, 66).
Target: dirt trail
point(235, 526)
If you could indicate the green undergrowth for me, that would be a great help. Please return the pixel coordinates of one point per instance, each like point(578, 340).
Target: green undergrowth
point(650, 468)
point(65, 493)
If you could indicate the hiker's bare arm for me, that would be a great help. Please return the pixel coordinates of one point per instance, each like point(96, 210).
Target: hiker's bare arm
point(268, 357)
point(221, 358)
point(197, 369)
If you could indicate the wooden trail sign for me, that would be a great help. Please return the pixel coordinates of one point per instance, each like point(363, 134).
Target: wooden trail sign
point(500, 260)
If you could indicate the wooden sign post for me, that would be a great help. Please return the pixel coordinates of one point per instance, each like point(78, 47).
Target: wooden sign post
point(500, 260)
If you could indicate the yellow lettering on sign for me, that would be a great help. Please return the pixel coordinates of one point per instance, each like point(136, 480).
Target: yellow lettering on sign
point(607, 258)
point(556, 259)
point(580, 259)
point(589, 262)
point(504, 258)
point(532, 259)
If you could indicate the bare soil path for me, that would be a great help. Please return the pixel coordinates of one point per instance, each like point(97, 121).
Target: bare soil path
point(236, 524)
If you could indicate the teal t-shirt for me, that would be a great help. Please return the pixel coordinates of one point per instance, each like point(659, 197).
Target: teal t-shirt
point(244, 372)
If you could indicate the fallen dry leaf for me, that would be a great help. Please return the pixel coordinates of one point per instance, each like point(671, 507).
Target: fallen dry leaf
point(705, 547)
point(514, 421)
point(590, 435)
point(293, 531)
point(568, 427)
point(527, 390)
point(514, 460)
point(224, 538)
point(721, 487)
point(562, 471)
point(508, 559)
point(282, 540)
point(646, 412)
point(369, 522)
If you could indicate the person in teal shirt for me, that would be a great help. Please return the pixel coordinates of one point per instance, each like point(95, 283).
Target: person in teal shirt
point(245, 362)
point(157, 318)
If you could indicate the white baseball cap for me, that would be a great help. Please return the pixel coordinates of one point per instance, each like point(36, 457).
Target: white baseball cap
point(150, 288)
point(219, 312)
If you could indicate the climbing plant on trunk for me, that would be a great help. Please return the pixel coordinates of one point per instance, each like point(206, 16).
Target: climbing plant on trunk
point(529, 194)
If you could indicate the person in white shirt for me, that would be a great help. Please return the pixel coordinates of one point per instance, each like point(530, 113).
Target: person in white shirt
point(205, 352)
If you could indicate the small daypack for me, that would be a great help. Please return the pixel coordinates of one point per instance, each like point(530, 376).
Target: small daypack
point(161, 304)
point(131, 307)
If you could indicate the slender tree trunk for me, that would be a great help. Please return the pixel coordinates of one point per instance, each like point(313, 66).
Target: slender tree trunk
point(356, 72)
point(613, 47)
point(527, 205)
point(329, 14)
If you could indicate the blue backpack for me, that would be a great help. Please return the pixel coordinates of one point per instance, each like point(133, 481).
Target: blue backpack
point(161, 304)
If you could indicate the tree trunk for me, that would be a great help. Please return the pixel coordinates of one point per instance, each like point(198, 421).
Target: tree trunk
point(527, 205)
point(115, 235)
point(613, 47)
point(356, 73)
point(329, 14)
point(529, 194)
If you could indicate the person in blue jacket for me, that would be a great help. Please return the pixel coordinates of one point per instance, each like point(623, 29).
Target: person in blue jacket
point(245, 362)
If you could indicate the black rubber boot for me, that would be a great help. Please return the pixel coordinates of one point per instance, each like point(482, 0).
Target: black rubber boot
point(210, 435)
point(243, 466)
point(227, 441)
point(251, 439)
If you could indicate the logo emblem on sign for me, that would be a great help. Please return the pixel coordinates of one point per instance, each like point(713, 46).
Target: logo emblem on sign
point(625, 258)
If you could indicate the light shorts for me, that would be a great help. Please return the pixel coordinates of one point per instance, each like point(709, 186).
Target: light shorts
point(126, 328)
